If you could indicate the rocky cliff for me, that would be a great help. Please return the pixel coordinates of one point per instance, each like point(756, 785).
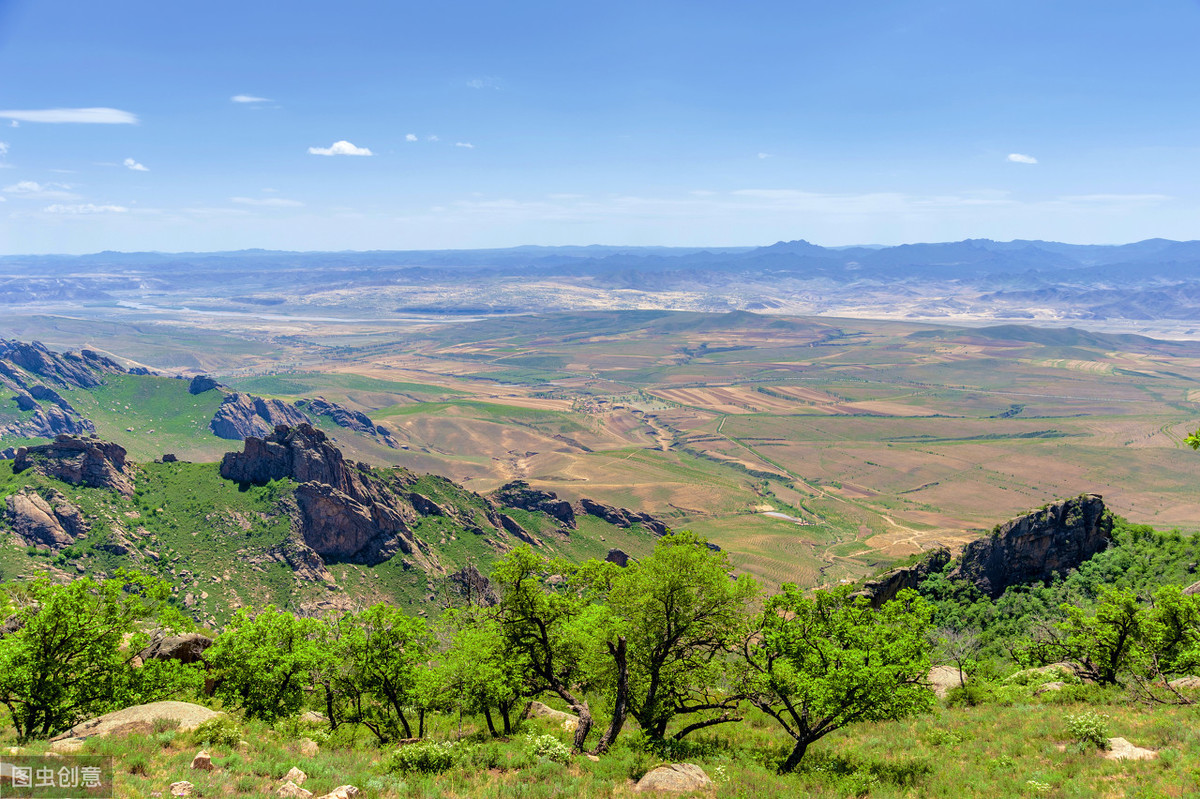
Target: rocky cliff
point(345, 417)
point(622, 517)
point(518, 494)
point(79, 461)
point(1031, 548)
point(44, 521)
point(26, 369)
point(885, 587)
point(344, 512)
point(243, 415)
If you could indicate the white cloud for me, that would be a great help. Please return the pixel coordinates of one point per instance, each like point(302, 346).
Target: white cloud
point(85, 208)
point(270, 202)
point(41, 191)
point(134, 165)
point(466, 144)
point(14, 124)
point(1021, 158)
point(340, 148)
point(432, 137)
point(764, 155)
point(485, 83)
point(410, 137)
point(95, 116)
point(248, 98)
point(3, 148)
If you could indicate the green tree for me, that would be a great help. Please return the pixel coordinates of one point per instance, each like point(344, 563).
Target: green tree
point(266, 662)
point(479, 670)
point(682, 616)
point(381, 653)
point(553, 617)
point(1102, 643)
point(819, 663)
point(71, 654)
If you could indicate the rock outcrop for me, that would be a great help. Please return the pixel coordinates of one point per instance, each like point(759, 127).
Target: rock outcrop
point(83, 370)
point(619, 557)
point(344, 417)
point(79, 461)
point(201, 384)
point(343, 512)
point(1031, 548)
point(42, 522)
point(884, 588)
point(622, 517)
point(518, 494)
point(140, 719)
point(243, 415)
point(186, 648)
point(674, 778)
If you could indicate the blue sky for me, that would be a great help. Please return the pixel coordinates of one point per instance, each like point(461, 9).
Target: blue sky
point(652, 122)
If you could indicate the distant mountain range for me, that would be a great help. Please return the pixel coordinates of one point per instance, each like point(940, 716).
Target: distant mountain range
point(976, 278)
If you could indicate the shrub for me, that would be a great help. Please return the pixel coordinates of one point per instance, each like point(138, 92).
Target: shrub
point(548, 747)
point(426, 757)
point(221, 730)
point(1089, 728)
point(940, 737)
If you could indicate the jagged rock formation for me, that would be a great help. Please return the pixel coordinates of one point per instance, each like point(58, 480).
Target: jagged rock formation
point(243, 415)
point(25, 368)
point(344, 417)
point(622, 517)
point(343, 511)
point(44, 522)
point(618, 556)
point(1031, 548)
point(884, 588)
point(187, 648)
point(79, 461)
point(202, 383)
point(474, 587)
point(518, 494)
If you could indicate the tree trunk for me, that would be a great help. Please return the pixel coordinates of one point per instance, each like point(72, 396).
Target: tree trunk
point(794, 758)
point(505, 708)
point(404, 721)
point(621, 705)
point(487, 714)
point(421, 723)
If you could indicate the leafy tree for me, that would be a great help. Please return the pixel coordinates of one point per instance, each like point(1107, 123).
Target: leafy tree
point(563, 632)
point(382, 652)
point(71, 654)
point(682, 615)
point(956, 646)
point(265, 662)
point(820, 663)
point(478, 668)
point(1102, 643)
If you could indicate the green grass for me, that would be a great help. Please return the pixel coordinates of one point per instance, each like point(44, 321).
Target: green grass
point(298, 383)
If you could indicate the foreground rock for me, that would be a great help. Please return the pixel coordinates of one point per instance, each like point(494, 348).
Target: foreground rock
point(182, 788)
point(341, 792)
point(884, 589)
point(1121, 749)
point(289, 788)
point(674, 778)
point(942, 679)
point(243, 415)
point(79, 461)
point(1031, 548)
point(536, 710)
point(137, 719)
point(202, 762)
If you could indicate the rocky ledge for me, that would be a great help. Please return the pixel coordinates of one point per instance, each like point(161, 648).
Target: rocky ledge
point(1031, 548)
point(79, 461)
point(44, 521)
point(244, 415)
point(884, 588)
point(345, 417)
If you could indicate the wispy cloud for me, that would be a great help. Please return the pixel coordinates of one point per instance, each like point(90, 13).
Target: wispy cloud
point(134, 165)
point(485, 83)
point(340, 148)
point(268, 202)
point(466, 144)
point(410, 137)
point(3, 148)
point(432, 137)
point(41, 191)
point(248, 98)
point(764, 155)
point(94, 116)
point(85, 208)
point(1021, 158)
